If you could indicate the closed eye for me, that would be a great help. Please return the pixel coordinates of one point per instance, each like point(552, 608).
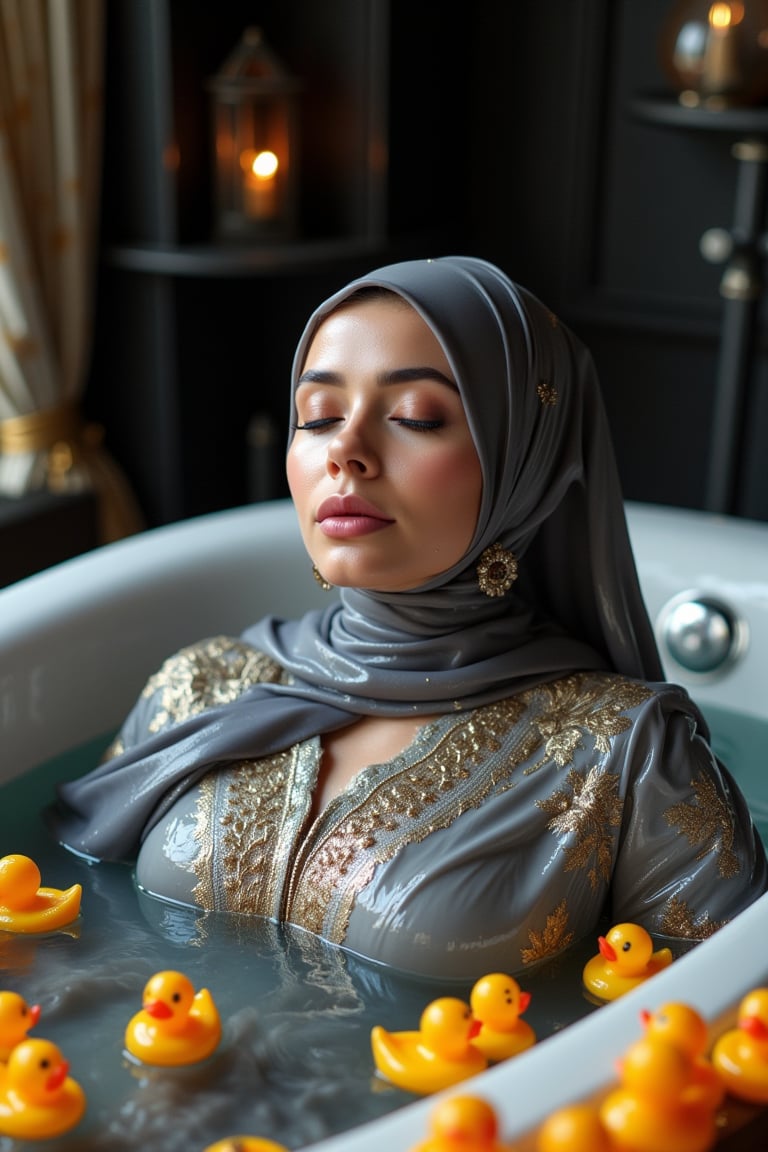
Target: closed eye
point(419, 425)
point(316, 425)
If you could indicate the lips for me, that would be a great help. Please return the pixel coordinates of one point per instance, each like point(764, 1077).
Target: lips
point(347, 516)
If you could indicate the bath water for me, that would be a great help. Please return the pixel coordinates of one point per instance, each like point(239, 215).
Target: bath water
point(741, 742)
point(295, 1063)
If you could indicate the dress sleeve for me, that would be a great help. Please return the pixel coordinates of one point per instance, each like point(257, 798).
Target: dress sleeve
point(210, 672)
point(689, 857)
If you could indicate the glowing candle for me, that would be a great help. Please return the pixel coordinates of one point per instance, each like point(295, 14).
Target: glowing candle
point(721, 64)
point(260, 185)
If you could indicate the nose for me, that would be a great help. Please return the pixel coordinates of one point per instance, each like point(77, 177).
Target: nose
point(352, 451)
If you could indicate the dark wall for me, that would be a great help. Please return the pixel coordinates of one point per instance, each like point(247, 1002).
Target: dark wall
point(601, 212)
point(510, 132)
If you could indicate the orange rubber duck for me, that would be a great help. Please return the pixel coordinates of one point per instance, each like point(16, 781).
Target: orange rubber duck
point(740, 1055)
point(38, 1098)
point(498, 1003)
point(245, 1144)
point(175, 1025)
point(681, 1025)
point(25, 906)
point(438, 1055)
point(574, 1128)
point(651, 1110)
point(625, 959)
point(463, 1124)
point(16, 1019)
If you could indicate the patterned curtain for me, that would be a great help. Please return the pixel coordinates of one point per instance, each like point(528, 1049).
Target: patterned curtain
point(51, 101)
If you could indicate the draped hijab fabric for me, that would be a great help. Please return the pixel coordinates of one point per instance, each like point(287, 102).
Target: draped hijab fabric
point(551, 494)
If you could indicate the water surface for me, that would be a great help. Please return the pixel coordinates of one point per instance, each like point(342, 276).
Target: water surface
point(295, 1062)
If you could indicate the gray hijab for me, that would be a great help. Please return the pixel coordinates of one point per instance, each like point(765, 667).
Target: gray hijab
point(551, 495)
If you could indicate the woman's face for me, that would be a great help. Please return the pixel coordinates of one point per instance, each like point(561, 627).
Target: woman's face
point(382, 466)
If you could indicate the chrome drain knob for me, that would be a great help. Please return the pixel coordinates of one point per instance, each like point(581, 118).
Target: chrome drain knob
point(700, 634)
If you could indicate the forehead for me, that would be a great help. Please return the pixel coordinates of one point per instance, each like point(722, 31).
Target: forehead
point(383, 327)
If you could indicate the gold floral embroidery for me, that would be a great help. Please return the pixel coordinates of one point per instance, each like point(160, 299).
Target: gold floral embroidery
point(207, 674)
point(679, 920)
point(555, 937)
point(707, 822)
point(339, 862)
point(578, 704)
point(261, 865)
point(589, 813)
point(241, 879)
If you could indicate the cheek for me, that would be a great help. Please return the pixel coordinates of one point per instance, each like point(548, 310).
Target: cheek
point(301, 463)
point(462, 476)
point(297, 472)
point(452, 483)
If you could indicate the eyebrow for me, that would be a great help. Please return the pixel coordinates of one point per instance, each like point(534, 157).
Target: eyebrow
point(396, 376)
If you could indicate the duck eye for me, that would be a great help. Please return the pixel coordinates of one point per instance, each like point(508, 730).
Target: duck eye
point(45, 1062)
point(626, 946)
point(176, 996)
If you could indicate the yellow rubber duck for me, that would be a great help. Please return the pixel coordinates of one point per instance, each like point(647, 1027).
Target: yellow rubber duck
point(245, 1144)
point(650, 1112)
point(37, 1097)
point(463, 1124)
point(680, 1024)
point(574, 1128)
point(175, 1025)
point(436, 1056)
point(625, 959)
point(498, 1003)
point(16, 1019)
point(25, 906)
point(740, 1055)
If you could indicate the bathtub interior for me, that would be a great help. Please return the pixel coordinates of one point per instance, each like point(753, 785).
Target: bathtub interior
point(125, 607)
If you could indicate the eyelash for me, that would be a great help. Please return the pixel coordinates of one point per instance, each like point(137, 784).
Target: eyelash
point(314, 425)
point(415, 425)
point(421, 425)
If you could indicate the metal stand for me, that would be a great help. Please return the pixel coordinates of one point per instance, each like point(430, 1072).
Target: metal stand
point(741, 287)
point(742, 249)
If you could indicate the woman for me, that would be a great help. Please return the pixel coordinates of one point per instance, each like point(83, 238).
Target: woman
point(471, 756)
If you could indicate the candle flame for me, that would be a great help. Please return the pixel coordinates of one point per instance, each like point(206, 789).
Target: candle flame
point(263, 165)
point(722, 16)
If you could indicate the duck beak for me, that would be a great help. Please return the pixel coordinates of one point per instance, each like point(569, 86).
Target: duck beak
point(754, 1027)
point(158, 1009)
point(34, 1014)
point(475, 1028)
point(607, 951)
point(57, 1077)
point(645, 1017)
point(525, 999)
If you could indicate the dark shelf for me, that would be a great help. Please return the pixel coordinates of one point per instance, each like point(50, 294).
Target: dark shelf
point(234, 260)
point(668, 112)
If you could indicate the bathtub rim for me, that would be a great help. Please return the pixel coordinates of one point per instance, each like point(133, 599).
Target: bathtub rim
point(518, 1089)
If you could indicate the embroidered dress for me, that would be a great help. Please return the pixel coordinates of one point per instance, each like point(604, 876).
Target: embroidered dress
point(489, 843)
point(562, 778)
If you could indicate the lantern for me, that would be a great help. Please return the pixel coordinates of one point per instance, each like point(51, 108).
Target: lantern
point(715, 53)
point(255, 141)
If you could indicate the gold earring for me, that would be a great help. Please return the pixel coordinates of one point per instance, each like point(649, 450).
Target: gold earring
point(326, 587)
point(497, 570)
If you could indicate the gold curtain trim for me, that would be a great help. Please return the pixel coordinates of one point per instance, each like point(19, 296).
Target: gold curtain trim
point(74, 459)
point(39, 431)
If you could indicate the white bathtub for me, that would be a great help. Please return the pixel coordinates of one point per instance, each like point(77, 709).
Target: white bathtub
point(119, 611)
